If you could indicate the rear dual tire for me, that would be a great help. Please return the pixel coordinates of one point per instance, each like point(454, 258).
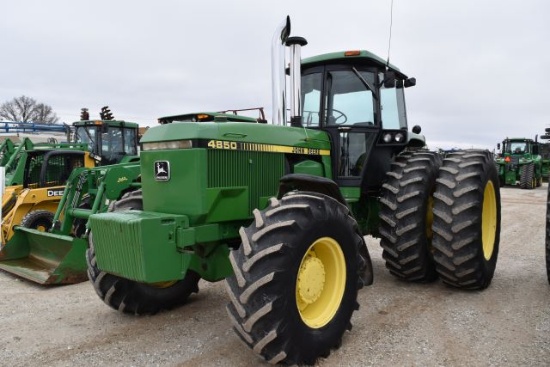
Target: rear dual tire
point(467, 220)
point(465, 230)
point(406, 216)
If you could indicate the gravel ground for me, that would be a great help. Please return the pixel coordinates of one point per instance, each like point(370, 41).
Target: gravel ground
point(399, 324)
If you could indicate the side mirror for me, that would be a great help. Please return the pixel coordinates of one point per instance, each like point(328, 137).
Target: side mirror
point(389, 79)
point(410, 82)
point(416, 129)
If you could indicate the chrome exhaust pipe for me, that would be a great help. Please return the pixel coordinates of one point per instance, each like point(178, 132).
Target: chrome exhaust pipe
point(278, 72)
point(295, 45)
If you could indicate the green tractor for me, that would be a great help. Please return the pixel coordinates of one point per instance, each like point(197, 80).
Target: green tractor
point(520, 162)
point(44, 171)
point(280, 210)
point(544, 151)
point(109, 141)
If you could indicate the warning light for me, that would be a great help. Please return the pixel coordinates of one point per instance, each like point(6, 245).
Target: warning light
point(352, 53)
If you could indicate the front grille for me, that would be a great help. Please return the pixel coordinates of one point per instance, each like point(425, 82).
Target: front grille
point(260, 171)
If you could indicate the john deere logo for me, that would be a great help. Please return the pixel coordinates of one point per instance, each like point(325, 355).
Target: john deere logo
point(162, 170)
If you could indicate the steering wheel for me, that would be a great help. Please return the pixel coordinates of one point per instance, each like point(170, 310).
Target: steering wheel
point(339, 115)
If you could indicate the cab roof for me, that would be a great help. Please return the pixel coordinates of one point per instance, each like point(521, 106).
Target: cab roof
point(355, 56)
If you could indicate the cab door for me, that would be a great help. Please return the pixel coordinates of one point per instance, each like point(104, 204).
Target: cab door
point(342, 100)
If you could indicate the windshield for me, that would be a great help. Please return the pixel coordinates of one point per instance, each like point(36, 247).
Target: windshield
point(516, 147)
point(117, 142)
point(348, 101)
point(86, 134)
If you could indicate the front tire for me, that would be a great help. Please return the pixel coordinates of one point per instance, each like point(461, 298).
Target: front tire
point(132, 297)
point(406, 216)
point(296, 278)
point(467, 220)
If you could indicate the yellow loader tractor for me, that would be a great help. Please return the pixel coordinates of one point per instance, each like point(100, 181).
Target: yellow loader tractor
point(34, 203)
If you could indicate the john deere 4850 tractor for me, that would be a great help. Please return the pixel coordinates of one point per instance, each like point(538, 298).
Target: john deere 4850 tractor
point(280, 211)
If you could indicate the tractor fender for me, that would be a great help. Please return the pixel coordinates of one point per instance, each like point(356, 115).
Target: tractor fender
point(325, 186)
point(305, 182)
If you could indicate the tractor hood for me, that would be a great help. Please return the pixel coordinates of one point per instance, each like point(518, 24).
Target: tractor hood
point(271, 135)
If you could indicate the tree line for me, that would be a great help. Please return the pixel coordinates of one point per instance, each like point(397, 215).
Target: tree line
point(26, 109)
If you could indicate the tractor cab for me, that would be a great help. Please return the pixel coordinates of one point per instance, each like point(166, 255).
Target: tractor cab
point(48, 168)
point(519, 147)
point(109, 141)
point(359, 101)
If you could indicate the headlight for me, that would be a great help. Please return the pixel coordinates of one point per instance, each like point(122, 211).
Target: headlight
point(165, 145)
point(399, 137)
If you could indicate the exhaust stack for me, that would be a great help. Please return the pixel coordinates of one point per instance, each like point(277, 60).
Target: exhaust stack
point(295, 45)
point(278, 72)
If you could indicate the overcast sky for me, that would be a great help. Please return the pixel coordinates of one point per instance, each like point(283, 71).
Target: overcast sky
point(480, 65)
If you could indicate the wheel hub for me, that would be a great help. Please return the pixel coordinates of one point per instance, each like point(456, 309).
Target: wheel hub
point(320, 282)
point(311, 280)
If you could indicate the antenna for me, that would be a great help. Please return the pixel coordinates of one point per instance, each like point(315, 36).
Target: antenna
point(389, 40)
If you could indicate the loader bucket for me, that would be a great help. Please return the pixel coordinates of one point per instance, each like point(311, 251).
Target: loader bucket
point(45, 258)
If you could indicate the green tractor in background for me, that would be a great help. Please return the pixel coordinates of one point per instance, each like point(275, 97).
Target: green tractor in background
point(520, 162)
point(38, 176)
point(280, 210)
point(544, 151)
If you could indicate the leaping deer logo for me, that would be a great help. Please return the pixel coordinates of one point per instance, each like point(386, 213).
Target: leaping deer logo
point(162, 171)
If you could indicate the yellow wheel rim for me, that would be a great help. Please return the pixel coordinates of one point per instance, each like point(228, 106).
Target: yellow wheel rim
point(489, 220)
point(321, 282)
point(41, 228)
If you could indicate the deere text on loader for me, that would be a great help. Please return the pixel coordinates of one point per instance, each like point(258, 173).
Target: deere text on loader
point(280, 211)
